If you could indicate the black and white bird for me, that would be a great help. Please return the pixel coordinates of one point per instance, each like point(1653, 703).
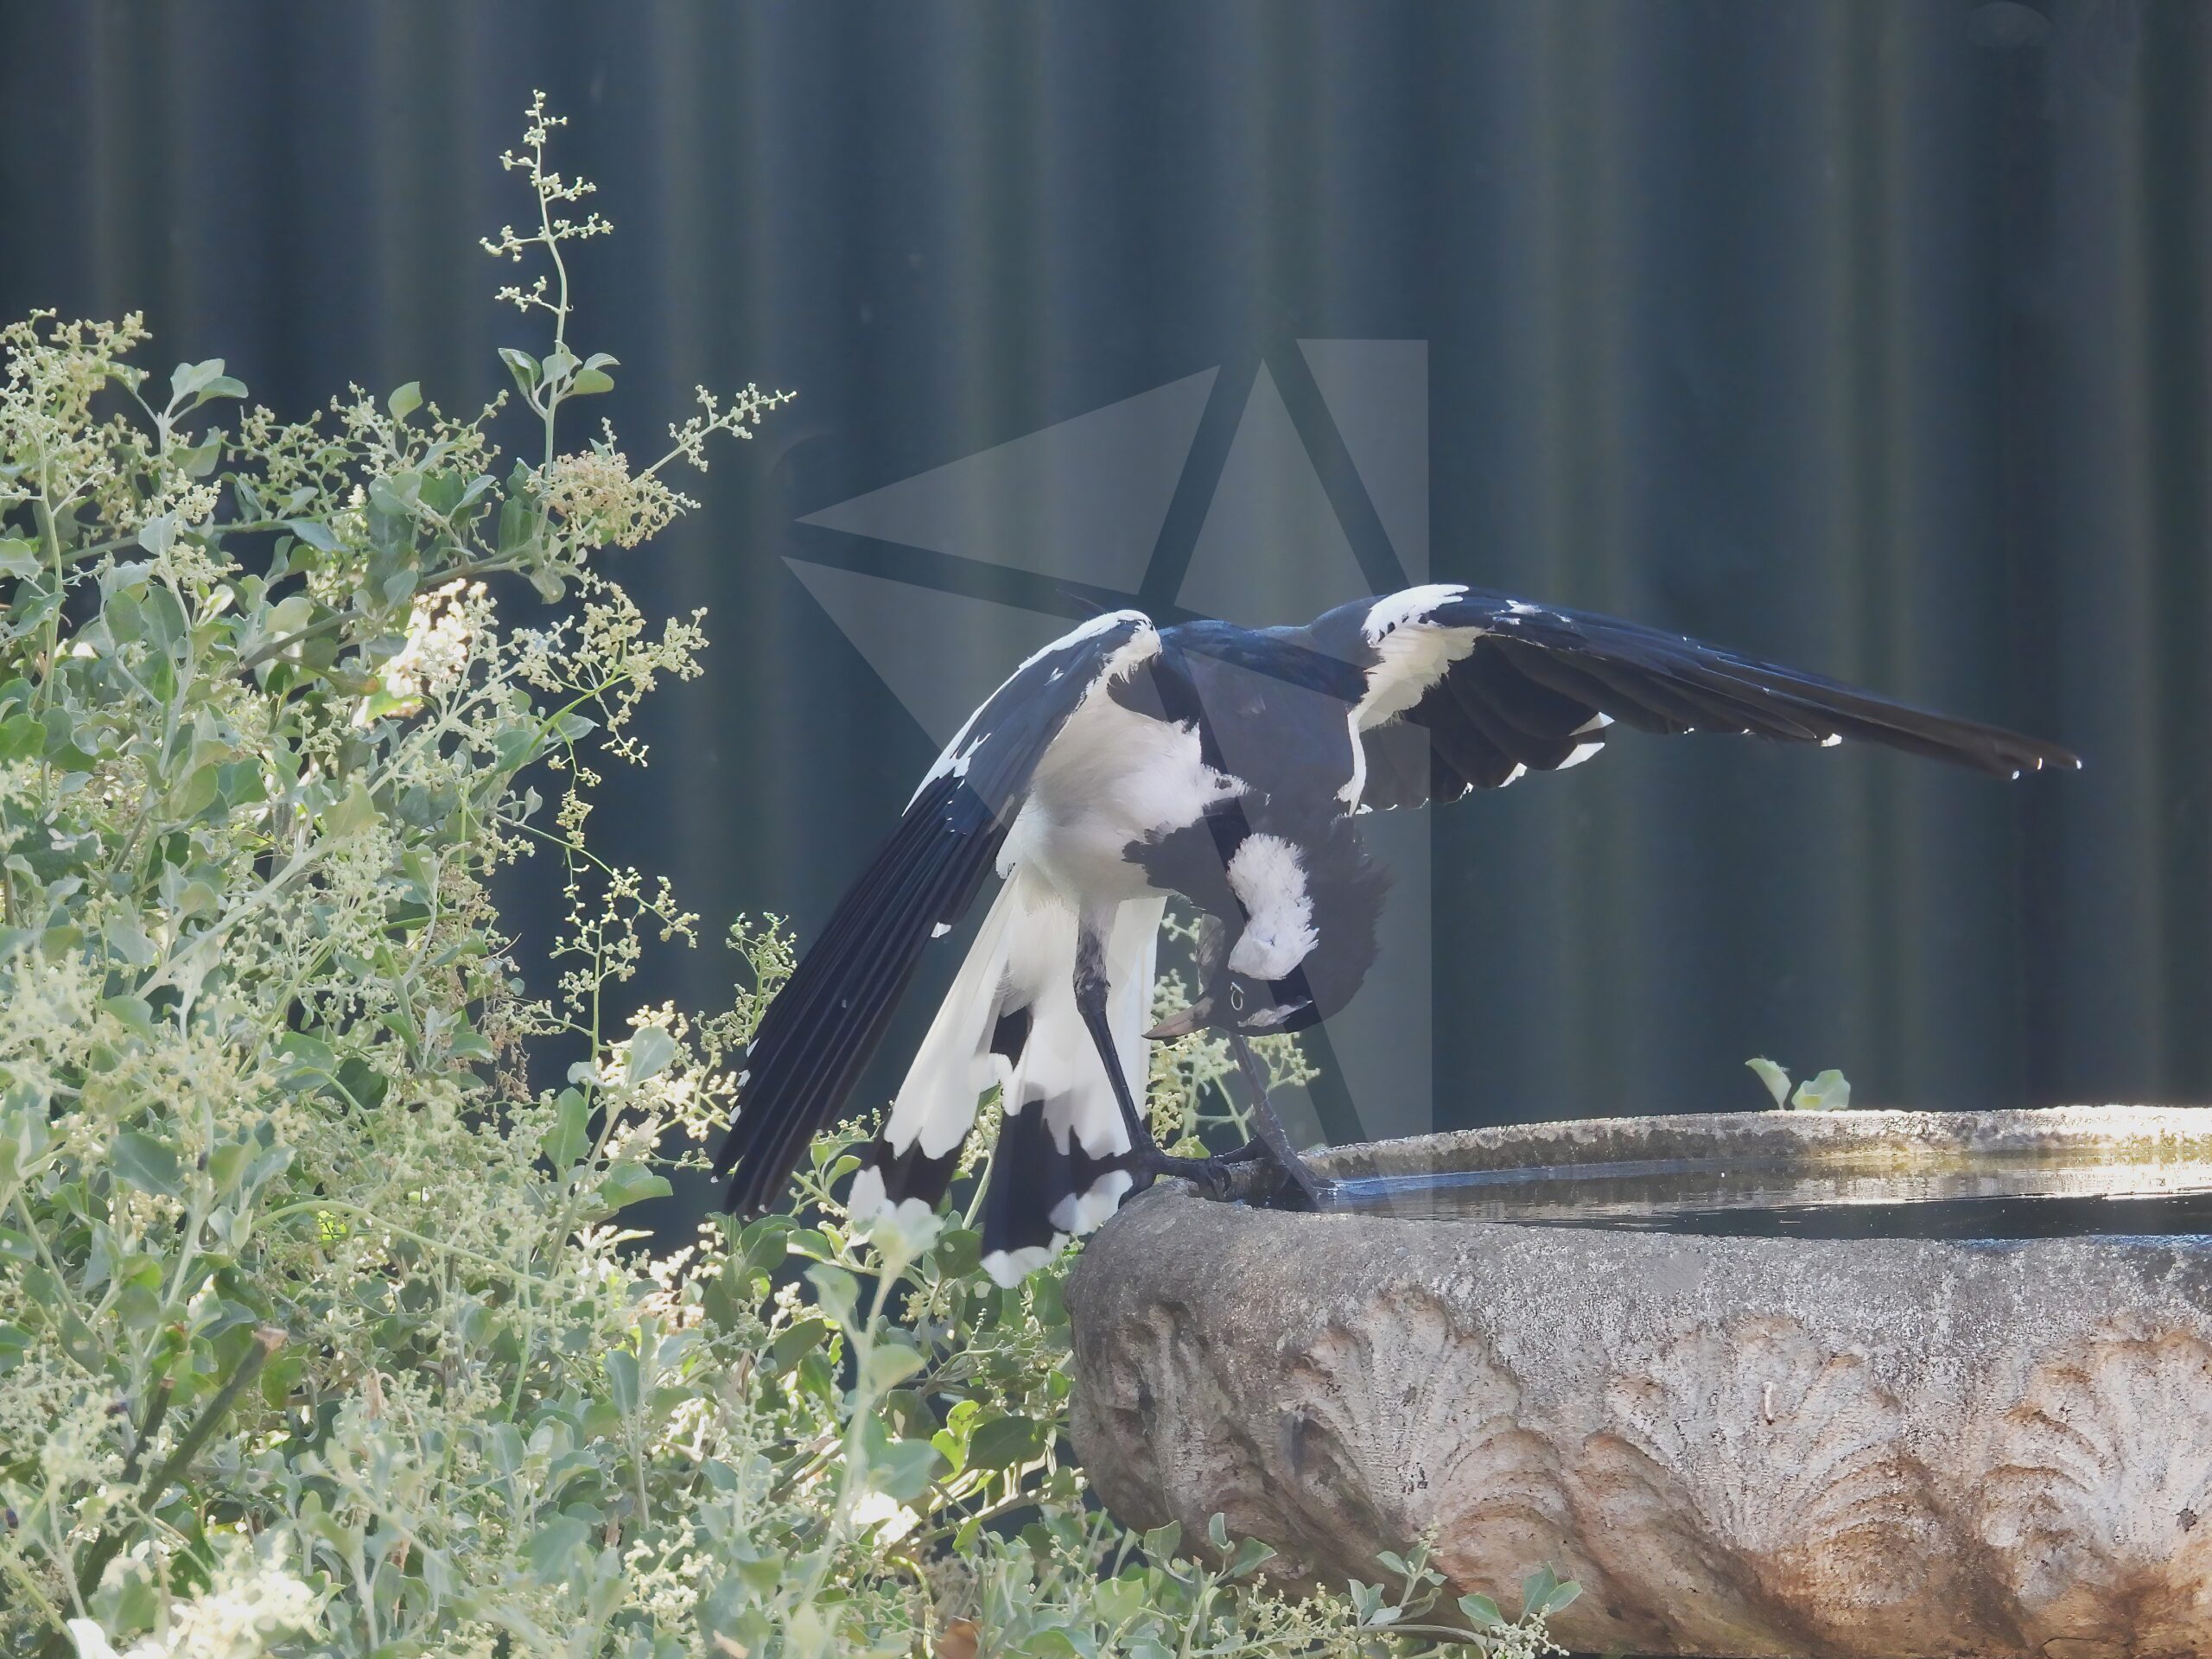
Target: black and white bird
point(1124, 763)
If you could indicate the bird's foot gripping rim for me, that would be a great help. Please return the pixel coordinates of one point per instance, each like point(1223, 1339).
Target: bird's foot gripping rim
point(1247, 1175)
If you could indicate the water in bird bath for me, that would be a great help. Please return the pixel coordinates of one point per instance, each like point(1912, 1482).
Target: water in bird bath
point(1958, 1196)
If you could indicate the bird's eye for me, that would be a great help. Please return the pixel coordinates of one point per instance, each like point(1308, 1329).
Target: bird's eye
point(1237, 998)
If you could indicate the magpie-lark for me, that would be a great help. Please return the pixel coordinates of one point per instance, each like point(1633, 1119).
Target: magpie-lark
point(1126, 762)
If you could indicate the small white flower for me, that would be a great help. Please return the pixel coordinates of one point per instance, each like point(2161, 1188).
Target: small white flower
point(903, 1232)
point(884, 1516)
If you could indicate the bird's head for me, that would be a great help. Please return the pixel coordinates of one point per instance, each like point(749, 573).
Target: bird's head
point(1299, 942)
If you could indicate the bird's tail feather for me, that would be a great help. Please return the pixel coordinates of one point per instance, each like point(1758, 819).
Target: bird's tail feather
point(1010, 1019)
point(914, 1154)
point(826, 1023)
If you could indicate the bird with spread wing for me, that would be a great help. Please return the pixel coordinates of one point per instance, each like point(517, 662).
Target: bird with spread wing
point(1125, 763)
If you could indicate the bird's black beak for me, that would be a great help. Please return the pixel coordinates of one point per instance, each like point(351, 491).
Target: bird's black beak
point(1196, 1017)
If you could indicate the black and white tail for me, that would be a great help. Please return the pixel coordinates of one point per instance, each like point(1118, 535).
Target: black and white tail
point(1010, 1020)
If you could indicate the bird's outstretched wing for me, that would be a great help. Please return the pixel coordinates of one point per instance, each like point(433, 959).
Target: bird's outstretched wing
point(1503, 687)
point(826, 1022)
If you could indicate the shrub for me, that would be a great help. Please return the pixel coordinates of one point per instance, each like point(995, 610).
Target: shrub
point(323, 1331)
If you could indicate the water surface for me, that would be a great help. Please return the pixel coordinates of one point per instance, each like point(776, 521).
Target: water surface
point(1988, 1199)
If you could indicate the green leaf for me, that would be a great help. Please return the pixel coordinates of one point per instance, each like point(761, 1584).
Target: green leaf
point(837, 1290)
point(523, 366)
point(627, 1184)
point(395, 497)
point(1251, 1555)
point(560, 1545)
point(22, 737)
point(62, 751)
point(280, 1376)
point(1481, 1613)
point(622, 1380)
point(1828, 1092)
point(795, 1343)
point(201, 381)
point(467, 1044)
point(1366, 1600)
point(127, 938)
point(134, 1013)
point(889, 1363)
point(316, 534)
point(900, 1469)
point(1006, 1442)
point(199, 461)
point(199, 791)
point(649, 1051)
point(1776, 1079)
point(1537, 1591)
point(588, 381)
point(726, 1298)
point(284, 619)
point(570, 1138)
point(959, 1252)
point(306, 1057)
point(18, 558)
point(147, 1163)
point(405, 400)
point(351, 815)
point(517, 524)
point(764, 1245)
point(228, 1164)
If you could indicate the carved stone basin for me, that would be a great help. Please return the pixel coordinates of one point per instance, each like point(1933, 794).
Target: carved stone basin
point(1981, 1425)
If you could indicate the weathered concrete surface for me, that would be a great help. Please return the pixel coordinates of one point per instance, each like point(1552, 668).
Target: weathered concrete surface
point(1878, 1447)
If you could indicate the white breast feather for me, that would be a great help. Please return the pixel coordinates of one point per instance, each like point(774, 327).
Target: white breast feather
point(1112, 777)
point(1268, 879)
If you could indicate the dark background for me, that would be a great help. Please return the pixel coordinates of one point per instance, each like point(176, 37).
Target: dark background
point(1870, 336)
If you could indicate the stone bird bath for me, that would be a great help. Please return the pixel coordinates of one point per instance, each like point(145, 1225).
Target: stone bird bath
point(1886, 1445)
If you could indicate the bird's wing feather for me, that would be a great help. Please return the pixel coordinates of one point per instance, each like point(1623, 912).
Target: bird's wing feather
point(1503, 687)
point(825, 1024)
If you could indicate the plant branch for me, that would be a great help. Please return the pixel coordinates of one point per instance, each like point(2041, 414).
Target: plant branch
point(157, 1408)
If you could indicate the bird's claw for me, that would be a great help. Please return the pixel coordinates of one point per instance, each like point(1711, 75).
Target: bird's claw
point(1250, 1174)
point(1210, 1175)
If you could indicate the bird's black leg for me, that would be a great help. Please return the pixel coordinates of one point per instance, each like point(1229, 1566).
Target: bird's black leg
point(1313, 1192)
point(1146, 1159)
